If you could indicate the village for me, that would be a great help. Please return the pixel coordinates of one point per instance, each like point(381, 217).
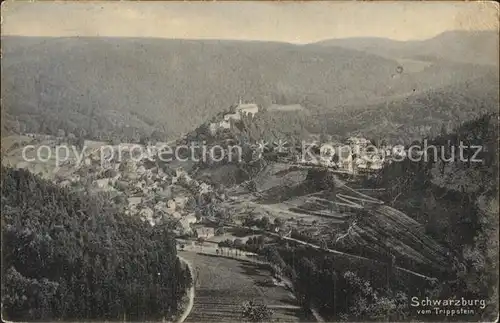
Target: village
point(166, 193)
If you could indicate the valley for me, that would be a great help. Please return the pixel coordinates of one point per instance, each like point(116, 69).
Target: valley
point(247, 169)
point(222, 230)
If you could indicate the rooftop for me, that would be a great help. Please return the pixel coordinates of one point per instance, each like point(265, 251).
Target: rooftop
point(241, 106)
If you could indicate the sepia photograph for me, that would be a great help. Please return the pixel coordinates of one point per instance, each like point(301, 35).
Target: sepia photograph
point(252, 161)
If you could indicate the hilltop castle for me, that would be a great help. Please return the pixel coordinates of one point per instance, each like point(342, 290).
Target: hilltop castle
point(242, 109)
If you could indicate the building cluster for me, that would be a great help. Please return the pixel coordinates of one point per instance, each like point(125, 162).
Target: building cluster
point(154, 193)
point(240, 111)
point(355, 155)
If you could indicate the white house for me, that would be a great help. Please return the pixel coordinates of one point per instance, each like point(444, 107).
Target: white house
point(358, 141)
point(224, 124)
point(179, 171)
point(161, 205)
point(140, 185)
point(141, 170)
point(180, 201)
point(205, 232)
point(232, 116)
point(213, 128)
point(376, 165)
point(345, 160)
point(146, 214)
point(361, 163)
point(186, 222)
point(101, 183)
point(176, 215)
point(134, 201)
point(247, 108)
point(171, 204)
point(399, 151)
point(65, 183)
point(205, 188)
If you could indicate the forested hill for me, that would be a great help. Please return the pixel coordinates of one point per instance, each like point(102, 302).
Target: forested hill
point(419, 114)
point(402, 120)
point(128, 88)
point(457, 201)
point(74, 257)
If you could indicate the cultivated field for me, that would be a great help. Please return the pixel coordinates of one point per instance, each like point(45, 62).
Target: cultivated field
point(357, 224)
point(223, 284)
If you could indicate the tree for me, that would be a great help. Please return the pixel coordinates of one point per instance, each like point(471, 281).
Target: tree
point(120, 199)
point(367, 302)
point(80, 142)
point(323, 137)
point(252, 186)
point(443, 130)
point(238, 243)
point(255, 312)
point(109, 173)
point(264, 222)
point(249, 220)
point(322, 179)
point(323, 244)
point(261, 240)
point(219, 231)
point(71, 138)
point(76, 261)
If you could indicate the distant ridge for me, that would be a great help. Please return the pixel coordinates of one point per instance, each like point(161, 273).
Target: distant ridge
point(478, 47)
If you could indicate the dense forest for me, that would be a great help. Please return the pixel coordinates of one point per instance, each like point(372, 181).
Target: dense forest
point(70, 256)
point(460, 191)
point(457, 201)
point(161, 88)
point(342, 290)
point(398, 121)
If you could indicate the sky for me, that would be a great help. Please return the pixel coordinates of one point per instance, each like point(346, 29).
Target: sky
point(299, 23)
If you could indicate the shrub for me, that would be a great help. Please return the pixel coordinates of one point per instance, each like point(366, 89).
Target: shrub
point(254, 312)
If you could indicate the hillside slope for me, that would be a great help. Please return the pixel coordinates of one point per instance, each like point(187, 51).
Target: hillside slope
point(71, 256)
point(457, 201)
point(418, 115)
point(132, 87)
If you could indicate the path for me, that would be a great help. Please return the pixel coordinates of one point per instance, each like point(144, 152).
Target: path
point(190, 293)
point(333, 251)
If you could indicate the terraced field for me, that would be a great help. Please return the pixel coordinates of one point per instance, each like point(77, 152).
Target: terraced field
point(386, 229)
point(222, 285)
